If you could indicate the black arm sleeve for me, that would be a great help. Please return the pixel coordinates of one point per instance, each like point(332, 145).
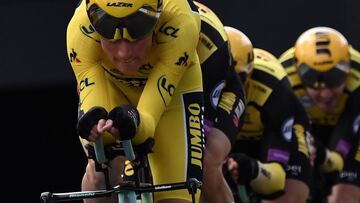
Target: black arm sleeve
point(344, 138)
point(228, 113)
point(286, 124)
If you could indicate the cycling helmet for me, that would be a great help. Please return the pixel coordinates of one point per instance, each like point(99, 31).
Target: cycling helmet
point(322, 57)
point(265, 55)
point(128, 19)
point(241, 49)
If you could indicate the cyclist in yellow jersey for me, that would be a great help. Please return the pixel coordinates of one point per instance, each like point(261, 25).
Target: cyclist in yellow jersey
point(139, 77)
point(272, 149)
point(324, 72)
point(224, 104)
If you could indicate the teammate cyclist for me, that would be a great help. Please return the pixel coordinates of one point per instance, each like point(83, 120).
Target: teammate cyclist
point(271, 151)
point(324, 72)
point(224, 104)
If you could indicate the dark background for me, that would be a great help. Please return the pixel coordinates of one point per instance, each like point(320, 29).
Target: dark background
point(41, 151)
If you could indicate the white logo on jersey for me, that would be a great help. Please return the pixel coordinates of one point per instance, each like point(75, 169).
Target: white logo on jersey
point(215, 94)
point(287, 129)
point(356, 124)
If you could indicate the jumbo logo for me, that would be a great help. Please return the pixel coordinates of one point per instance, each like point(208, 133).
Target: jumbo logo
point(164, 85)
point(196, 140)
point(119, 4)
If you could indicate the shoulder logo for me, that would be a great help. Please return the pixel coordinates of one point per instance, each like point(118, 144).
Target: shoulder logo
point(85, 83)
point(73, 57)
point(169, 30)
point(356, 124)
point(215, 93)
point(287, 129)
point(88, 31)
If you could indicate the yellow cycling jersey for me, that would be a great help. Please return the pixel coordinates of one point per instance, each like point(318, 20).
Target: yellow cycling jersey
point(316, 115)
point(267, 73)
point(172, 55)
point(212, 34)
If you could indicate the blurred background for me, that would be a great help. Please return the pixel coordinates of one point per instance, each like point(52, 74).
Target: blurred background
point(39, 100)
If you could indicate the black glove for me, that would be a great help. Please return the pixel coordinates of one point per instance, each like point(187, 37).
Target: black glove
point(126, 120)
point(89, 119)
point(248, 167)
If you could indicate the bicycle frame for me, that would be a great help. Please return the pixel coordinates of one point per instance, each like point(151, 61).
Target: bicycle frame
point(124, 190)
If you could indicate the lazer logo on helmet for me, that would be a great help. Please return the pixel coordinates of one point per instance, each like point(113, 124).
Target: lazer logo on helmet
point(119, 4)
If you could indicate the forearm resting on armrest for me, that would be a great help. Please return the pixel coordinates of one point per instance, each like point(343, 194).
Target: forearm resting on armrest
point(270, 179)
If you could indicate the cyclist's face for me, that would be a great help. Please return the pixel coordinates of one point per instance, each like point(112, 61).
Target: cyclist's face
point(127, 56)
point(326, 98)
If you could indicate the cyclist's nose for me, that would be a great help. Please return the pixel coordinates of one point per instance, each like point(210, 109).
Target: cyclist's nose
point(124, 49)
point(326, 93)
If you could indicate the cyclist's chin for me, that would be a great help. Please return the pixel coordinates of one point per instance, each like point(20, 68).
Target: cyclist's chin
point(128, 68)
point(327, 106)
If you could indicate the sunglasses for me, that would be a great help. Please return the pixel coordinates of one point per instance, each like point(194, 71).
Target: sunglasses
point(335, 77)
point(138, 25)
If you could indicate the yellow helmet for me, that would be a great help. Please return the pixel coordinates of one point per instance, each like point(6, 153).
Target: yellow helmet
point(322, 48)
point(265, 55)
point(120, 9)
point(241, 49)
point(322, 57)
point(127, 19)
